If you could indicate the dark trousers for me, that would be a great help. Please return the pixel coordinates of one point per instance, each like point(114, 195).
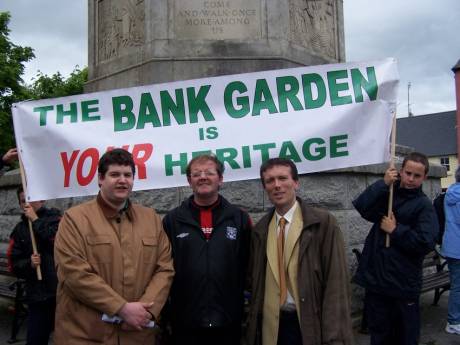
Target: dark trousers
point(40, 322)
point(392, 321)
point(207, 336)
point(289, 329)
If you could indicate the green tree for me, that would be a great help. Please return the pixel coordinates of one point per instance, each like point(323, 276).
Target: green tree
point(12, 60)
point(45, 86)
point(13, 89)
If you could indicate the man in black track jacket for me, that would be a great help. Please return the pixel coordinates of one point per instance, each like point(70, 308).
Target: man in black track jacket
point(40, 294)
point(392, 276)
point(210, 246)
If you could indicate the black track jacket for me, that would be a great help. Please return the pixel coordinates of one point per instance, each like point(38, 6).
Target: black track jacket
point(20, 251)
point(396, 271)
point(208, 285)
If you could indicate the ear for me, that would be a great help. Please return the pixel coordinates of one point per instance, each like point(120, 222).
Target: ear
point(296, 184)
point(221, 181)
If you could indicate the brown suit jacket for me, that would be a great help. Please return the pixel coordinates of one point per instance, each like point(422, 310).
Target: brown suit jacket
point(104, 260)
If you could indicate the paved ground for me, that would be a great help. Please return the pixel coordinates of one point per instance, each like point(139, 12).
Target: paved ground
point(5, 323)
point(433, 324)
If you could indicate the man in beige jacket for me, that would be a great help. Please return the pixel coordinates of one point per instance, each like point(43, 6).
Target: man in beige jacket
point(113, 259)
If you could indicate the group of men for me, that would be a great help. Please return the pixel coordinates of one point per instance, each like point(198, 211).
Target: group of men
point(119, 265)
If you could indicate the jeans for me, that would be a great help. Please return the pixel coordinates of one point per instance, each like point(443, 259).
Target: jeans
point(453, 310)
point(206, 336)
point(289, 329)
point(40, 322)
point(392, 321)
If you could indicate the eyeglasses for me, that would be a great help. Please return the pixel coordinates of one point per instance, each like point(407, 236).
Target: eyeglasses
point(207, 173)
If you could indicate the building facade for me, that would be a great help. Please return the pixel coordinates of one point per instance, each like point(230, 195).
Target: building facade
point(436, 136)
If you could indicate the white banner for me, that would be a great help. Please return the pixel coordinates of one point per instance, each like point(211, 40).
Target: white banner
point(322, 117)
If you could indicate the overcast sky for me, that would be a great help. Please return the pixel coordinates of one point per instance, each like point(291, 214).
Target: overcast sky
point(423, 35)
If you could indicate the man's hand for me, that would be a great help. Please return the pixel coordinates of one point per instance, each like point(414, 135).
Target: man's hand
point(388, 224)
point(10, 156)
point(135, 314)
point(35, 260)
point(391, 175)
point(29, 212)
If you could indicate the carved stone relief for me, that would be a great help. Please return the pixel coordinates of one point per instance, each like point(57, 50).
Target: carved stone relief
point(313, 25)
point(120, 25)
point(217, 19)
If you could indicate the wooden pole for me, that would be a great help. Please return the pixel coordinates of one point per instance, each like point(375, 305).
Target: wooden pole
point(392, 165)
point(31, 232)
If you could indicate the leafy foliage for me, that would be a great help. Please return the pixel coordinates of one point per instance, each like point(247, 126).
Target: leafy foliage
point(12, 60)
point(13, 89)
point(53, 86)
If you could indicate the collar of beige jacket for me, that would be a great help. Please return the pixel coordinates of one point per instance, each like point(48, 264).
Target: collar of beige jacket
point(272, 249)
point(293, 237)
point(295, 229)
point(110, 212)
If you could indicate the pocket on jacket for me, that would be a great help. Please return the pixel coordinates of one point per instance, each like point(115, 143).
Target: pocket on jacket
point(100, 248)
point(149, 249)
point(75, 320)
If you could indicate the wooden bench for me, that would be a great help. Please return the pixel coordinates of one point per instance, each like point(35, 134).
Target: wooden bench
point(435, 274)
point(6, 290)
point(13, 288)
point(435, 277)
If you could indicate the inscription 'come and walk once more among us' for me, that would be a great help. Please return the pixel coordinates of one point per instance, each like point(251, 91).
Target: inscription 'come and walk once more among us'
point(217, 19)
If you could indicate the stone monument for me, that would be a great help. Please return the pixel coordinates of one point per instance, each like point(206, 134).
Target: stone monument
point(139, 42)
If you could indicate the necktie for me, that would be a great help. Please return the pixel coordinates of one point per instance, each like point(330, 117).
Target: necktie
point(281, 270)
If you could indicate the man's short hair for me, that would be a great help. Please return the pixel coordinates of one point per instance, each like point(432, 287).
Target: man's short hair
point(457, 174)
point(203, 158)
point(115, 156)
point(419, 158)
point(278, 161)
point(19, 190)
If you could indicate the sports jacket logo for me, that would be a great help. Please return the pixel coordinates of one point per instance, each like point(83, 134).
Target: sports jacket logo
point(231, 233)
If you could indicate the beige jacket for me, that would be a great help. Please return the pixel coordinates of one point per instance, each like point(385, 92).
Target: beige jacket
point(104, 260)
point(271, 308)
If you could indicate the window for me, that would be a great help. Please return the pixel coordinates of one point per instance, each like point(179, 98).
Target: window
point(445, 162)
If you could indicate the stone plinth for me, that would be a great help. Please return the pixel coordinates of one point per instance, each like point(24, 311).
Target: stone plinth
point(139, 42)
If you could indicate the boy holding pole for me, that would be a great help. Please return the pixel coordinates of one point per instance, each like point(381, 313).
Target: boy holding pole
point(392, 274)
point(40, 292)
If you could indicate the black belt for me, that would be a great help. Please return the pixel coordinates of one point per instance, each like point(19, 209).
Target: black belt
point(288, 312)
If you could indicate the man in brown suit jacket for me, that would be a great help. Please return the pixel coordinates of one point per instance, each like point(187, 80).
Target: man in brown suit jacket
point(113, 259)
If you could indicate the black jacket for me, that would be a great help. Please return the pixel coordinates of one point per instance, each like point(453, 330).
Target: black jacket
point(395, 271)
point(208, 285)
point(45, 228)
